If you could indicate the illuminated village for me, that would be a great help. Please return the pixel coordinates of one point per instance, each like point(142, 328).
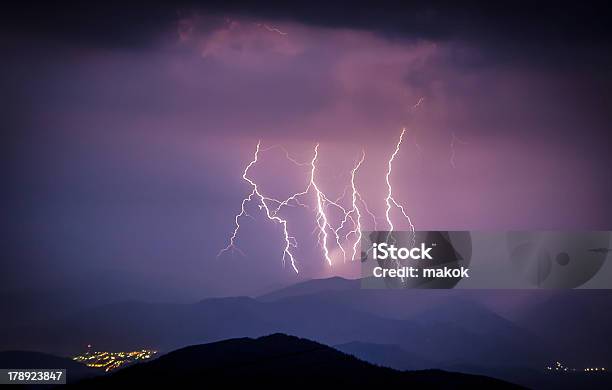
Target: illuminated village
point(560, 367)
point(109, 361)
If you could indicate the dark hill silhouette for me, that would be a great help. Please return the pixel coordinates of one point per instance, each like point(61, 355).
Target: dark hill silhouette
point(277, 360)
point(386, 355)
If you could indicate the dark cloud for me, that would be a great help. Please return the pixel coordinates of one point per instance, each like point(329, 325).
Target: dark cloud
point(120, 23)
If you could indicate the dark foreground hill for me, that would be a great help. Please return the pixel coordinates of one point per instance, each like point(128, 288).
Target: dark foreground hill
point(277, 360)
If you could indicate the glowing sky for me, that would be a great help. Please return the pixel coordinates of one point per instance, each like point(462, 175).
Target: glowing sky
point(127, 161)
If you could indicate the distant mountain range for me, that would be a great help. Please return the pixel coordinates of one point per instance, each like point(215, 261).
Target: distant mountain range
point(314, 286)
point(278, 360)
point(403, 329)
point(331, 316)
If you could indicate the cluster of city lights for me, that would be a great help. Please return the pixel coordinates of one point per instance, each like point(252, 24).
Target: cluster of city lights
point(109, 361)
point(558, 366)
point(595, 369)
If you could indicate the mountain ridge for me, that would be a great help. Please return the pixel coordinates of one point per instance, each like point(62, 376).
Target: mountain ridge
point(276, 360)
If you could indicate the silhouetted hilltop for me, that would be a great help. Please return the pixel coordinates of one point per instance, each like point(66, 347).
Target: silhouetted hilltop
point(277, 360)
point(387, 355)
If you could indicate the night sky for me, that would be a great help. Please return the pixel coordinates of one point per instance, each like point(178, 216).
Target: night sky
point(125, 131)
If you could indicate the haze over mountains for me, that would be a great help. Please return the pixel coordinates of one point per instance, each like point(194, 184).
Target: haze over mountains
point(403, 329)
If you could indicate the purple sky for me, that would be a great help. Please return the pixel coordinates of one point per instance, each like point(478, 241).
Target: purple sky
point(128, 160)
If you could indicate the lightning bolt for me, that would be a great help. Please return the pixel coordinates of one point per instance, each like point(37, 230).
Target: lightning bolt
point(287, 155)
point(367, 210)
point(418, 104)
point(357, 222)
point(323, 202)
point(454, 141)
point(321, 219)
point(289, 241)
point(232, 239)
point(349, 215)
point(327, 232)
point(390, 200)
point(272, 29)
